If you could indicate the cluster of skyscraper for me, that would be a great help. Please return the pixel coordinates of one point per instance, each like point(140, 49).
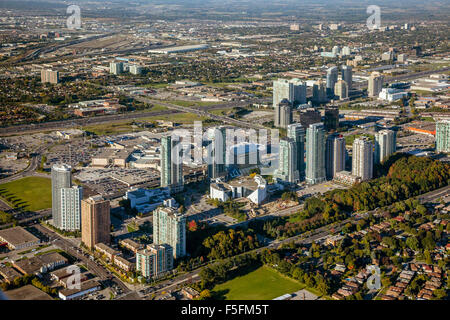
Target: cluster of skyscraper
point(339, 88)
point(289, 94)
point(92, 216)
point(326, 155)
point(117, 68)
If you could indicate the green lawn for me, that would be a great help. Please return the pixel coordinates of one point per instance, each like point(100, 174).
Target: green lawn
point(156, 85)
point(110, 128)
point(31, 193)
point(350, 139)
point(261, 284)
point(158, 108)
point(194, 104)
point(221, 112)
point(177, 118)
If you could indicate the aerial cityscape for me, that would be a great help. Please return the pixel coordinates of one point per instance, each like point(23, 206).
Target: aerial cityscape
point(204, 150)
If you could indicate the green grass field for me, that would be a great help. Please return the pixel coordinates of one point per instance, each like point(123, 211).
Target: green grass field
point(177, 118)
point(31, 193)
point(110, 128)
point(261, 284)
point(193, 104)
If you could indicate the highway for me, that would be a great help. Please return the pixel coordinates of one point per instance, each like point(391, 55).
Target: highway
point(75, 123)
point(65, 124)
point(202, 113)
point(435, 195)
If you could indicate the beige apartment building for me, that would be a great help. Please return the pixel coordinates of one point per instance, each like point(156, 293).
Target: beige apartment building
point(95, 221)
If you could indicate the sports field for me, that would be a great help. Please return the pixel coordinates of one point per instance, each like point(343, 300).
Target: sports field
point(31, 193)
point(261, 284)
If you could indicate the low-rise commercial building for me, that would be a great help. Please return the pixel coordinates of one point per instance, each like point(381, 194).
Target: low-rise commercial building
point(18, 238)
point(40, 264)
point(85, 289)
point(8, 274)
point(28, 292)
point(253, 189)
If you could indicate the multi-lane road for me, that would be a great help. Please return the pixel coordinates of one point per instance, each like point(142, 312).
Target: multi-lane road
point(76, 123)
point(65, 124)
point(434, 196)
point(202, 112)
point(306, 238)
point(71, 249)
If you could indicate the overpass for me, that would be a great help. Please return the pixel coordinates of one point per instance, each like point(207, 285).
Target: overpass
point(199, 112)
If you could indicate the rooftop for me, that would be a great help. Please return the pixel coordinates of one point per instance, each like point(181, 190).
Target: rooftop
point(28, 292)
point(9, 273)
point(84, 286)
point(17, 236)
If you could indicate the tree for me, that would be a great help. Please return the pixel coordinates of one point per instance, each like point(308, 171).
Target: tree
point(421, 209)
point(427, 256)
point(412, 243)
point(205, 295)
point(192, 226)
point(440, 294)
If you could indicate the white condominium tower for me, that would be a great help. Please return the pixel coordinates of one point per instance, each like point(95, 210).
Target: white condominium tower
point(155, 260)
point(362, 161)
point(293, 90)
point(341, 90)
point(116, 68)
point(287, 162)
point(66, 200)
point(385, 145)
point(169, 227)
point(315, 154)
point(71, 208)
